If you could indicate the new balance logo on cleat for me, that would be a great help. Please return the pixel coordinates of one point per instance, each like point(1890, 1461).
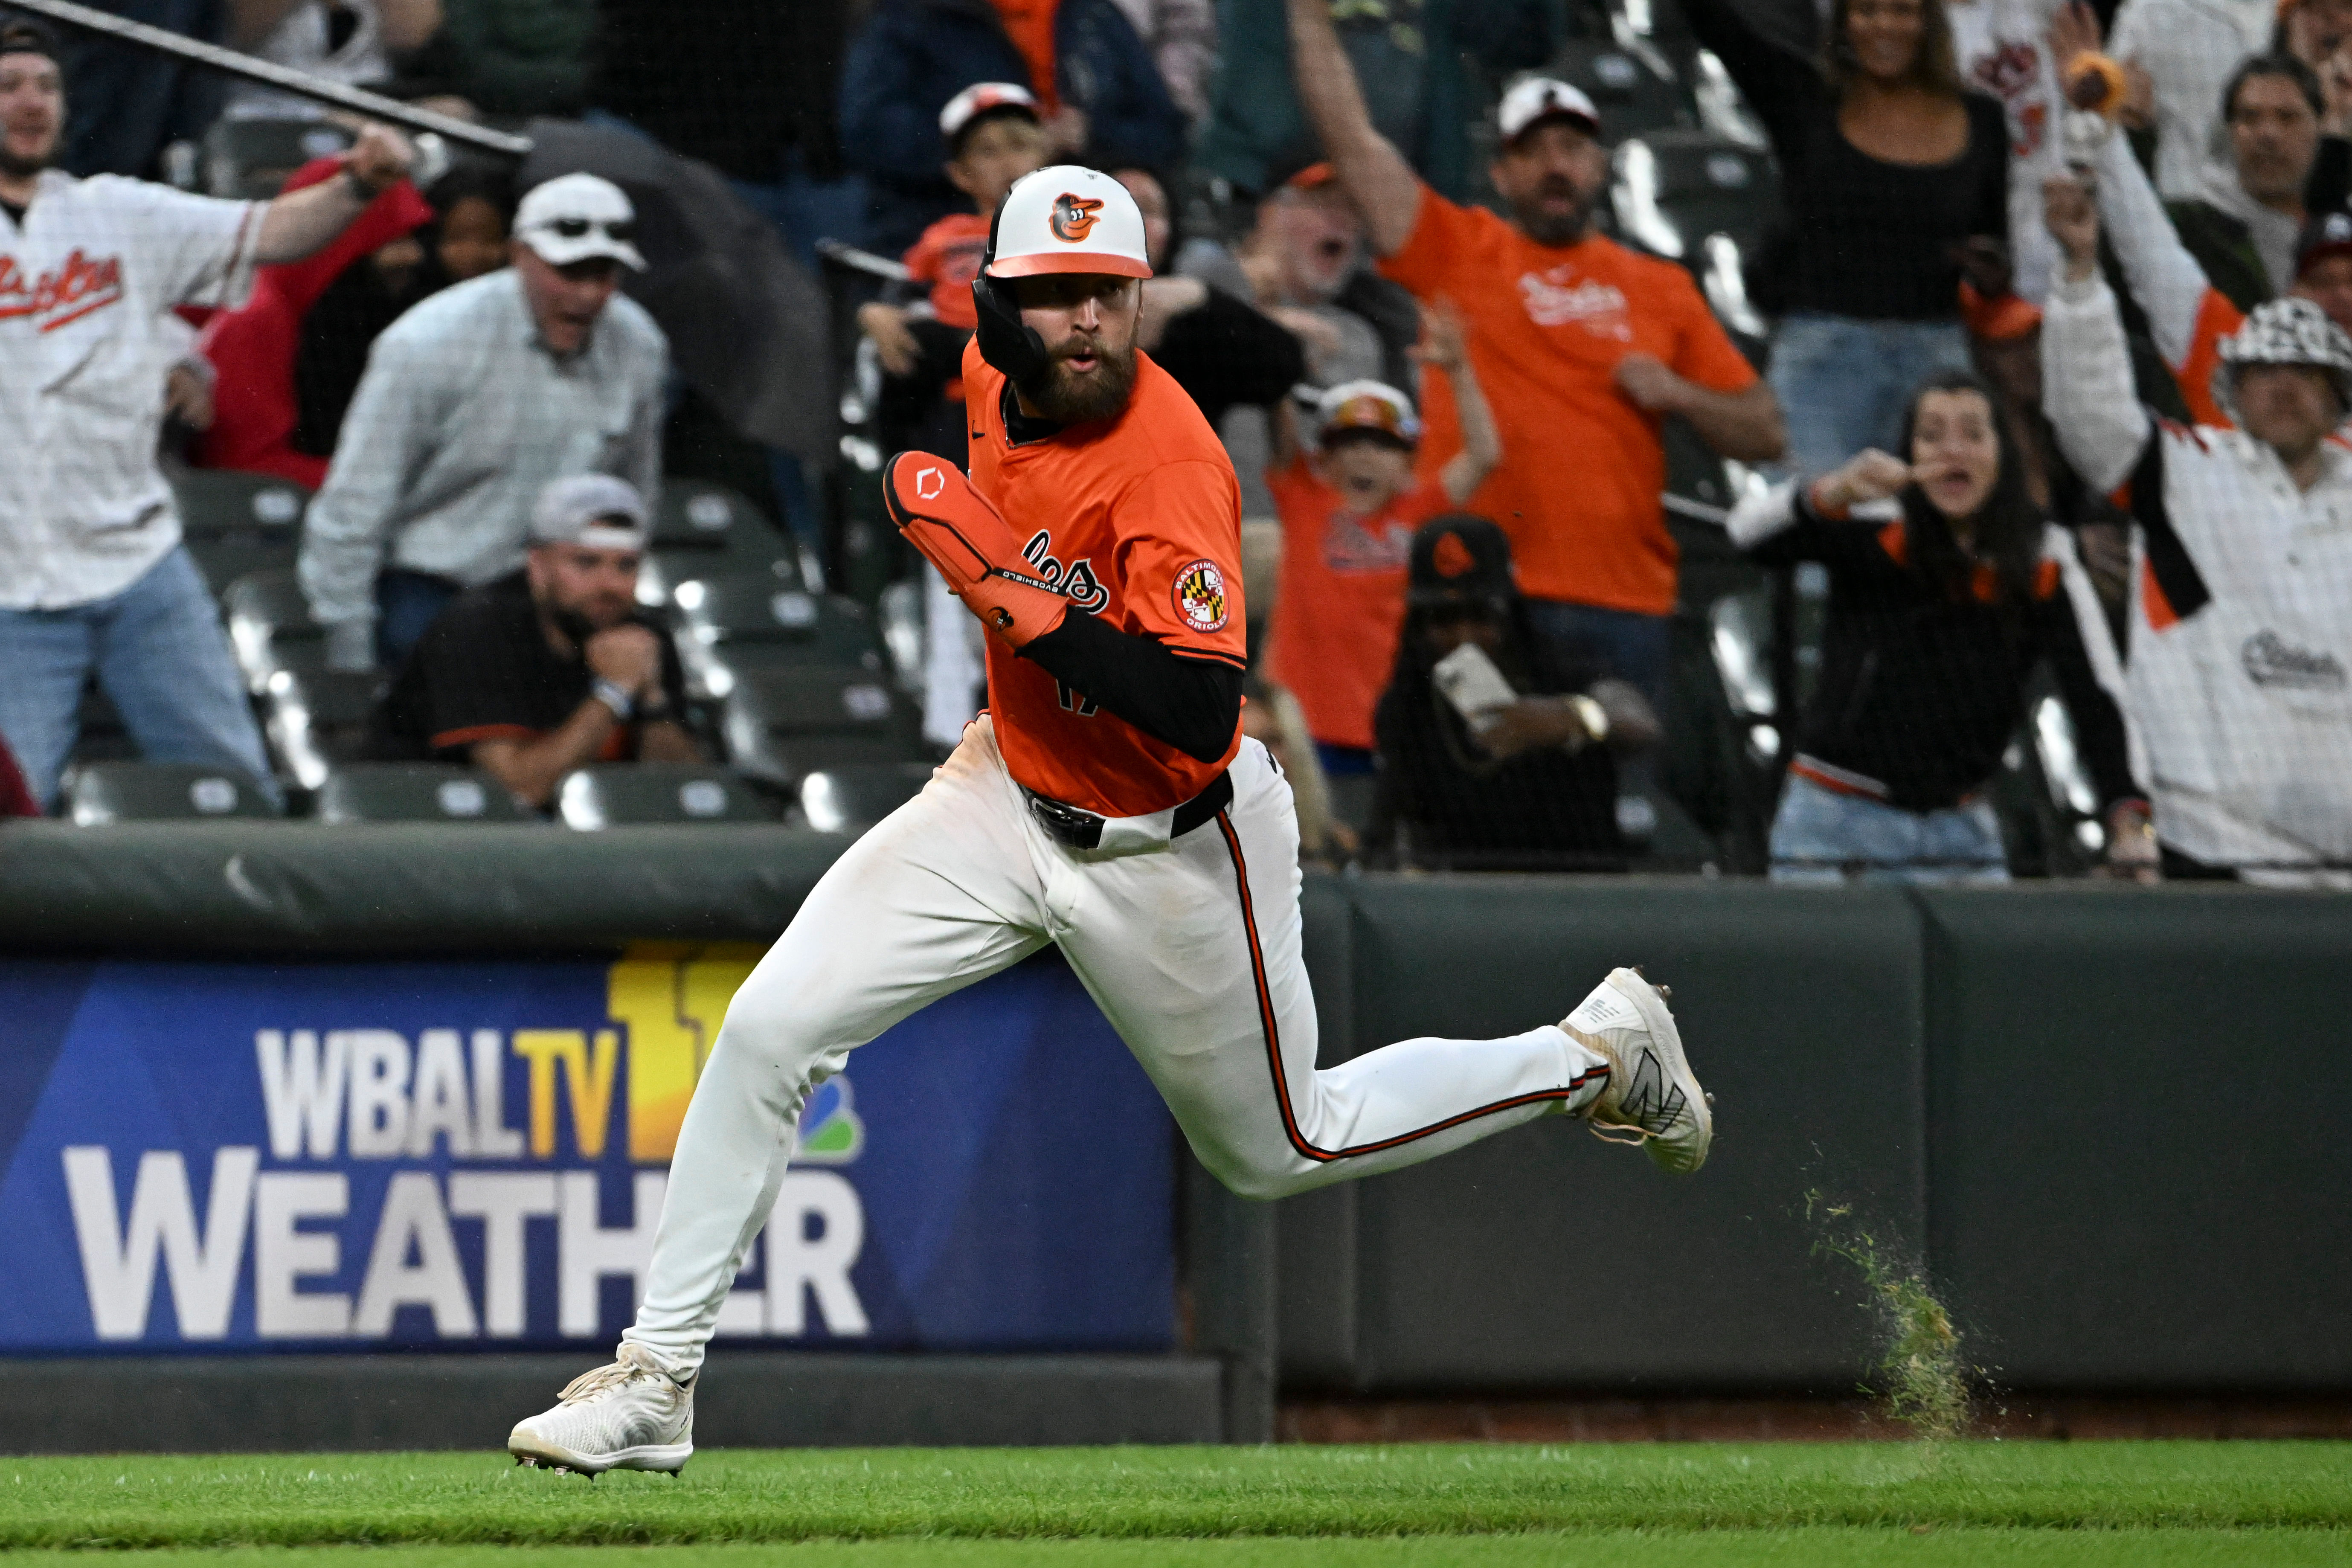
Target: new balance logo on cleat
point(1651, 1103)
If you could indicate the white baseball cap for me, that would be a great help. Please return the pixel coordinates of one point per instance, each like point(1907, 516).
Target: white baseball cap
point(979, 99)
point(1367, 406)
point(576, 218)
point(1544, 98)
point(1069, 219)
point(595, 509)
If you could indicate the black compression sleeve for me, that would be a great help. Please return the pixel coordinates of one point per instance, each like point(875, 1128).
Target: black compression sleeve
point(1190, 703)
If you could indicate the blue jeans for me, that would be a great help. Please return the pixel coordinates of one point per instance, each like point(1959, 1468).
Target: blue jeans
point(1844, 383)
point(1820, 835)
point(1625, 644)
point(406, 604)
point(160, 653)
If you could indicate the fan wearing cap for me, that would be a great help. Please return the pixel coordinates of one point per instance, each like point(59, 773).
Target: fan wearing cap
point(1528, 782)
point(1106, 803)
point(554, 666)
point(472, 403)
point(2239, 635)
point(1348, 511)
point(1584, 348)
point(2188, 316)
point(993, 137)
point(93, 580)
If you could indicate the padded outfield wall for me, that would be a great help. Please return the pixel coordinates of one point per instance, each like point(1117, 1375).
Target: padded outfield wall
point(2105, 1119)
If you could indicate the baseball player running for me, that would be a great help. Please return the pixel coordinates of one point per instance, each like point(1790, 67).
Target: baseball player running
point(1106, 803)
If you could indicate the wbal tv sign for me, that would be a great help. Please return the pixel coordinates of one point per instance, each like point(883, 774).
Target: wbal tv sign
point(232, 1157)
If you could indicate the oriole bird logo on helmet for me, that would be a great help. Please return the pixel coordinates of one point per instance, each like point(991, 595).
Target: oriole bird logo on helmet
point(1074, 217)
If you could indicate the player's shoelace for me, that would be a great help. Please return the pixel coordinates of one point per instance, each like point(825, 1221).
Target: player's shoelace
point(613, 1374)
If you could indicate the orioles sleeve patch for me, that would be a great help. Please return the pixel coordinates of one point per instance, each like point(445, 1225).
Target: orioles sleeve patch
point(1201, 601)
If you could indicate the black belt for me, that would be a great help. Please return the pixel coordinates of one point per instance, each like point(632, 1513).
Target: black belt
point(1082, 829)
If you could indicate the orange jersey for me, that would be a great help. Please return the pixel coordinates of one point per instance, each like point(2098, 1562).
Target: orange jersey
point(1333, 635)
point(1137, 520)
point(1578, 489)
point(948, 257)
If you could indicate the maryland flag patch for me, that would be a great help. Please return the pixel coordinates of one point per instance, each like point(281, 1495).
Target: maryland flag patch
point(1201, 596)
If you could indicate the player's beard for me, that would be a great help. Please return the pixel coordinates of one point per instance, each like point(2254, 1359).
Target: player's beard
point(1070, 399)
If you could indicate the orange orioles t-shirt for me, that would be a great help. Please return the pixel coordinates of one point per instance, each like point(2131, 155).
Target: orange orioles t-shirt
point(1137, 519)
point(1577, 488)
point(1332, 638)
point(948, 257)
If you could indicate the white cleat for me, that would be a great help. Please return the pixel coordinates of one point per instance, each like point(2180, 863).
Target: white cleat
point(630, 1416)
point(1651, 1092)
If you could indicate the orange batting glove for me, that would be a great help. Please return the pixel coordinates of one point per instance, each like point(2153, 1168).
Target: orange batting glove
point(959, 532)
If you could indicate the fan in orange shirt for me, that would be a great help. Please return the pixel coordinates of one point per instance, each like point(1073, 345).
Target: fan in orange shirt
point(1585, 347)
point(1348, 513)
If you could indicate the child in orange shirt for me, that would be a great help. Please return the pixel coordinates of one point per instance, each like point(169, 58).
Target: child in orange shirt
point(1348, 511)
point(993, 138)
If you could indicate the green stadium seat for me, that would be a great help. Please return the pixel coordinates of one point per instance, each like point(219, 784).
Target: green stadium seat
point(269, 626)
point(101, 793)
point(620, 794)
point(413, 792)
point(848, 799)
point(248, 159)
point(739, 620)
point(781, 723)
point(703, 530)
point(316, 719)
point(221, 503)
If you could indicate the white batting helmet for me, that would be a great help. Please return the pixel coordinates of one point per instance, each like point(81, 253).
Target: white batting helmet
point(2283, 331)
point(1068, 219)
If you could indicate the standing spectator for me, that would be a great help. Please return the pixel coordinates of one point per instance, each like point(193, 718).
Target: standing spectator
point(92, 576)
point(1182, 37)
point(346, 41)
point(252, 349)
point(1892, 174)
point(1946, 588)
point(2187, 50)
point(1582, 347)
point(2241, 227)
point(1532, 783)
point(130, 102)
point(1101, 97)
point(1419, 61)
point(1348, 512)
point(553, 667)
point(516, 57)
point(472, 402)
point(1302, 264)
point(2239, 635)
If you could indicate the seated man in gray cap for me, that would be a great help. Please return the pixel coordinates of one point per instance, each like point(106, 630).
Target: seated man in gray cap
point(471, 402)
point(551, 668)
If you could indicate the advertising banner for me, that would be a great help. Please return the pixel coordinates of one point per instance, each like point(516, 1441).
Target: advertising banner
point(238, 1157)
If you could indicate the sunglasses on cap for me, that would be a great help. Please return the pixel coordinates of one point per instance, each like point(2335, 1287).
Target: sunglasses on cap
point(620, 229)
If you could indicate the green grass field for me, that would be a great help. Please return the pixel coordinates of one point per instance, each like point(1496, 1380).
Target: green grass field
point(1831, 1504)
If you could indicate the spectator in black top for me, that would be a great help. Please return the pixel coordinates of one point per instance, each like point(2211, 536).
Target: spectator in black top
point(1895, 179)
point(1945, 589)
point(551, 669)
point(1521, 775)
point(1220, 348)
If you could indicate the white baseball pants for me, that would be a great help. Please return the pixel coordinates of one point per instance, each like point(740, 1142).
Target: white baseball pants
point(1192, 951)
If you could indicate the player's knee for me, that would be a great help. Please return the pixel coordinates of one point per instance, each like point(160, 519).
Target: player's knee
point(1263, 1181)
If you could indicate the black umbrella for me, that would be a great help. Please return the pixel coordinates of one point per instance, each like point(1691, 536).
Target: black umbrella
point(747, 324)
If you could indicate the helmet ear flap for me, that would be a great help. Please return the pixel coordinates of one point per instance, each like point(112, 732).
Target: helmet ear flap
point(1006, 341)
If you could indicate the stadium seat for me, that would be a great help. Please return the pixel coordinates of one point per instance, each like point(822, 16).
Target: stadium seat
point(270, 627)
point(703, 530)
point(413, 792)
point(101, 793)
point(248, 159)
point(726, 624)
point(315, 719)
point(1634, 88)
point(784, 722)
point(848, 799)
point(621, 795)
point(220, 503)
point(1671, 189)
point(100, 735)
point(222, 560)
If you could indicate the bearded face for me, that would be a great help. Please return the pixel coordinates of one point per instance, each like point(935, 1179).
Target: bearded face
point(1088, 321)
